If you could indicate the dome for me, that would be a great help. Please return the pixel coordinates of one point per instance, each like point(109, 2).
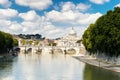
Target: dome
point(72, 32)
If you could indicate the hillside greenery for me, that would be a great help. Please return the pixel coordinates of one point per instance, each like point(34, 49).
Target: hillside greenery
point(104, 35)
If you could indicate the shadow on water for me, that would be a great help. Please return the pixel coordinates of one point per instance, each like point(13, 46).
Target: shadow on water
point(96, 73)
point(6, 67)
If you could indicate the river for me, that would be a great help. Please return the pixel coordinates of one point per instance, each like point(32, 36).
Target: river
point(52, 67)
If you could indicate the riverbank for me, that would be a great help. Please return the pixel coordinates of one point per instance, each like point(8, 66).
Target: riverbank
point(99, 63)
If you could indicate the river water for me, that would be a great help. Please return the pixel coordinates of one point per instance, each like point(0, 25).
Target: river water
point(52, 67)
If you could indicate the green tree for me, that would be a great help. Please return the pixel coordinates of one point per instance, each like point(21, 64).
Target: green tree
point(2, 40)
point(36, 42)
point(15, 42)
point(104, 35)
point(23, 41)
point(7, 41)
point(30, 42)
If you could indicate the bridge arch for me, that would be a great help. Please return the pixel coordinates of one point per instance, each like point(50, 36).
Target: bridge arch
point(71, 51)
point(58, 50)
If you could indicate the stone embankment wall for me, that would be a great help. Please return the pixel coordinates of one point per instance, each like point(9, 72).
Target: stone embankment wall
point(82, 50)
point(102, 57)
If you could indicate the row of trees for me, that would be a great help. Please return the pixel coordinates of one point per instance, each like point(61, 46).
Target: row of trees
point(7, 41)
point(104, 35)
point(29, 42)
point(30, 36)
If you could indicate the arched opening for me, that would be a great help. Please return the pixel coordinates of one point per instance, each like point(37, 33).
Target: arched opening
point(58, 51)
point(71, 51)
point(28, 50)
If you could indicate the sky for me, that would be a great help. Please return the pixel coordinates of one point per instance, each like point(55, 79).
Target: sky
point(51, 18)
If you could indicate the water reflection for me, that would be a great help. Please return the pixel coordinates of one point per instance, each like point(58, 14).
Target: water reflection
point(43, 67)
point(96, 73)
point(51, 67)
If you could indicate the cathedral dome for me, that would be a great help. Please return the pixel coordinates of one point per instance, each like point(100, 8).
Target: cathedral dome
point(72, 32)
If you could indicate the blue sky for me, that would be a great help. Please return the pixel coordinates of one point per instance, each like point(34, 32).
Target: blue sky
point(51, 18)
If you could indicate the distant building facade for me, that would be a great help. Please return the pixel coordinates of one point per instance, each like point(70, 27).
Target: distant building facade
point(69, 40)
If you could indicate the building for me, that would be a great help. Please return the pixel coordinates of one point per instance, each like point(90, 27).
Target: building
point(69, 40)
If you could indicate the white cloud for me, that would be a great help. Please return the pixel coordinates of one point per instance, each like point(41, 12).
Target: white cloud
point(99, 1)
point(67, 6)
point(39, 24)
point(29, 16)
point(8, 13)
point(71, 17)
point(15, 27)
point(5, 3)
point(71, 6)
point(10, 26)
point(118, 5)
point(4, 22)
point(71, 14)
point(80, 21)
point(49, 25)
point(61, 16)
point(35, 4)
point(88, 19)
point(51, 31)
point(82, 7)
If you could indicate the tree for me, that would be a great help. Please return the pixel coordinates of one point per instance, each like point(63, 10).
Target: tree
point(7, 41)
point(104, 35)
point(79, 41)
point(36, 42)
point(2, 40)
point(15, 42)
point(38, 36)
point(23, 41)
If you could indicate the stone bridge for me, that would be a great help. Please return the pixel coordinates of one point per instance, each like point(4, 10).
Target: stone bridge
point(64, 49)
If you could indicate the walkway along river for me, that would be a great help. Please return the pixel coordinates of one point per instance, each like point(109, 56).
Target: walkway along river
point(52, 67)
